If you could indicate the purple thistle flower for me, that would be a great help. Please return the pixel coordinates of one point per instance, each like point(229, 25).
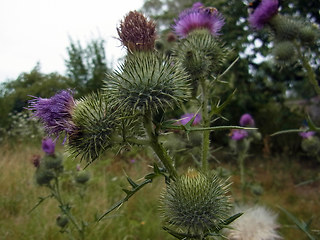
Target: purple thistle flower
point(247, 120)
point(198, 17)
point(48, 146)
point(238, 134)
point(54, 112)
point(307, 134)
point(261, 11)
point(185, 118)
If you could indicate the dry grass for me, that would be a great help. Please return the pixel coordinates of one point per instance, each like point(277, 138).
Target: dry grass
point(139, 218)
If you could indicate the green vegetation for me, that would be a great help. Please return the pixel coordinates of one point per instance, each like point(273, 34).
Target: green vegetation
point(284, 180)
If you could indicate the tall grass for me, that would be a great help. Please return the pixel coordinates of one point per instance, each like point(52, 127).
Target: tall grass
point(138, 219)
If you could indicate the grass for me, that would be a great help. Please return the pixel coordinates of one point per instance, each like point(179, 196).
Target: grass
point(139, 219)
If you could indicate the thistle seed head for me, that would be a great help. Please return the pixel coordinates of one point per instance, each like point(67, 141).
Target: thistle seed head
point(147, 82)
point(136, 32)
point(95, 122)
point(196, 203)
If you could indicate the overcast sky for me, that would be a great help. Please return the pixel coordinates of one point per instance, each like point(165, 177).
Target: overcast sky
point(34, 31)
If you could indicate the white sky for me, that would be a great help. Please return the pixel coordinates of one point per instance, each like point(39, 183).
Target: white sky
point(34, 31)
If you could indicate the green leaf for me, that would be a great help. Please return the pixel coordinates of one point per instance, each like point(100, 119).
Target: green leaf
point(301, 224)
point(132, 183)
point(41, 200)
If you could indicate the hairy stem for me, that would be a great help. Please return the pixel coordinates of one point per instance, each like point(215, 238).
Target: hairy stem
point(64, 208)
point(157, 147)
point(206, 123)
point(310, 73)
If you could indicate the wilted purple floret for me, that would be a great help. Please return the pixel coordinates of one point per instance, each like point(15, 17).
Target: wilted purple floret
point(54, 112)
point(247, 120)
point(307, 134)
point(198, 17)
point(185, 118)
point(239, 134)
point(262, 13)
point(48, 146)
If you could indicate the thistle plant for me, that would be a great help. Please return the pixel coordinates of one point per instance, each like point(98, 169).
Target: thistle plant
point(292, 38)
point(50, 173)
point(240, 141)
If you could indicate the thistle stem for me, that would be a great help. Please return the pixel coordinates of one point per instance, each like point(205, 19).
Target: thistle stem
point(311, 75)
point(64, 208)
point(157, 147)
point(206, 123)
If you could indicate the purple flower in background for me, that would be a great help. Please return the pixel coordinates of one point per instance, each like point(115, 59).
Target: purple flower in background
point(185, 118)
point(260, 12)
point(54, 112)
point(247, 120)
point(48, 146)
point(198, 17)
point(307, 134)
point(238, 134)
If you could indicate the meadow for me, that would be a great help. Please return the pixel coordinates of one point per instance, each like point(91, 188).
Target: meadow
point(288, 182)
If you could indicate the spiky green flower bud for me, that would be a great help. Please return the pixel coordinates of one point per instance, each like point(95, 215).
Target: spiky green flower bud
point(284, 53)
point(62, 221)
point(147, 82)
point(95, 122)
point(196, 203)
point(201, 54)
point(311, 145)
point(285, 28)
point(82, 177)
point(44, 175)
point(52, 162)
point(308, 34)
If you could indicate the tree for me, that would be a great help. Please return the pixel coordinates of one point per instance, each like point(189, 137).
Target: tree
point(86, 67)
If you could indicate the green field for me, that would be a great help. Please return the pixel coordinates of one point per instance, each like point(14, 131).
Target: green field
point(140, 217)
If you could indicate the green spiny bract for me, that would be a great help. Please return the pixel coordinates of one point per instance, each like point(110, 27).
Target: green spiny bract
point(284, 53)
point(49, 167)
point(284, 28)
point(95, 122)
point(147, 82)
point(201, 54)
point(82, 177)
point(311, 146)
point(196, 203)
point(308, 34)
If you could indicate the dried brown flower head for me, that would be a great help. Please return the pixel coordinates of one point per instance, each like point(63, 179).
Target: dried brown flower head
point(136, 32)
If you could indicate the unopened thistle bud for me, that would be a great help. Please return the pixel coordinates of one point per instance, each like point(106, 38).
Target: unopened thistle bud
point(147, 82)
point(82, 177)
point(284, 53)
point(196, 203)
point(136, 32)
point(94, 124)
point(62, 221)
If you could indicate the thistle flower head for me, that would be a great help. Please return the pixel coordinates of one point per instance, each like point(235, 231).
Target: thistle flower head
point(256, 223)
point(55, 112)
point(261, 11)
point(48, 146)
point(198, 17)
point(185, 118)
point(238, 134)
point(136, 32)
point(94, 124)
point(307, 134)
point(247, 120)
point(147, 82)
point(196, 203)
